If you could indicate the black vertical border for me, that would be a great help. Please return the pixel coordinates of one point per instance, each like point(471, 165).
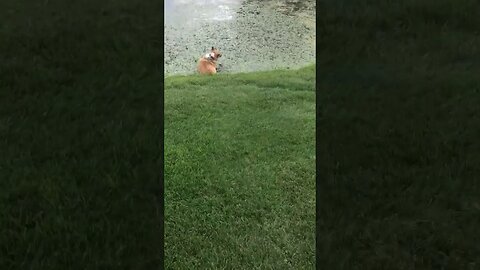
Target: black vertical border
point(162, 145)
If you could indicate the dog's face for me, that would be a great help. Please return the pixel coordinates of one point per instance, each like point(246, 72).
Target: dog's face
point(215, 53)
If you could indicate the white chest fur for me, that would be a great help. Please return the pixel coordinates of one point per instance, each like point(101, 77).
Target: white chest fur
point(209, 55)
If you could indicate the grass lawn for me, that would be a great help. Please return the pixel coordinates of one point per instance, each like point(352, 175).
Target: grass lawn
point(240, 171)
point(399, 134)
point(398, 125)
point(80, 110)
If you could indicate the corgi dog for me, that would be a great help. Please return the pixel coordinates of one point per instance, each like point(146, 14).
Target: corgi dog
point(207, 64)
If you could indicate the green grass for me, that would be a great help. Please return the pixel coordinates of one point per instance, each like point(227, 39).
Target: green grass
point(240, 171)
point(399, 129)
point(80, 108)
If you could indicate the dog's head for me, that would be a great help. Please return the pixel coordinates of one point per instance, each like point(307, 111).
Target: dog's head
point(215, 53)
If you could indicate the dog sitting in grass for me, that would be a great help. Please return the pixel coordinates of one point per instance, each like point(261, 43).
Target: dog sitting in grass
point(207, 64)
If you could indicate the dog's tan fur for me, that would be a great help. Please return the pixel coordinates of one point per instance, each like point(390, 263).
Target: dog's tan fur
point(209, 66)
